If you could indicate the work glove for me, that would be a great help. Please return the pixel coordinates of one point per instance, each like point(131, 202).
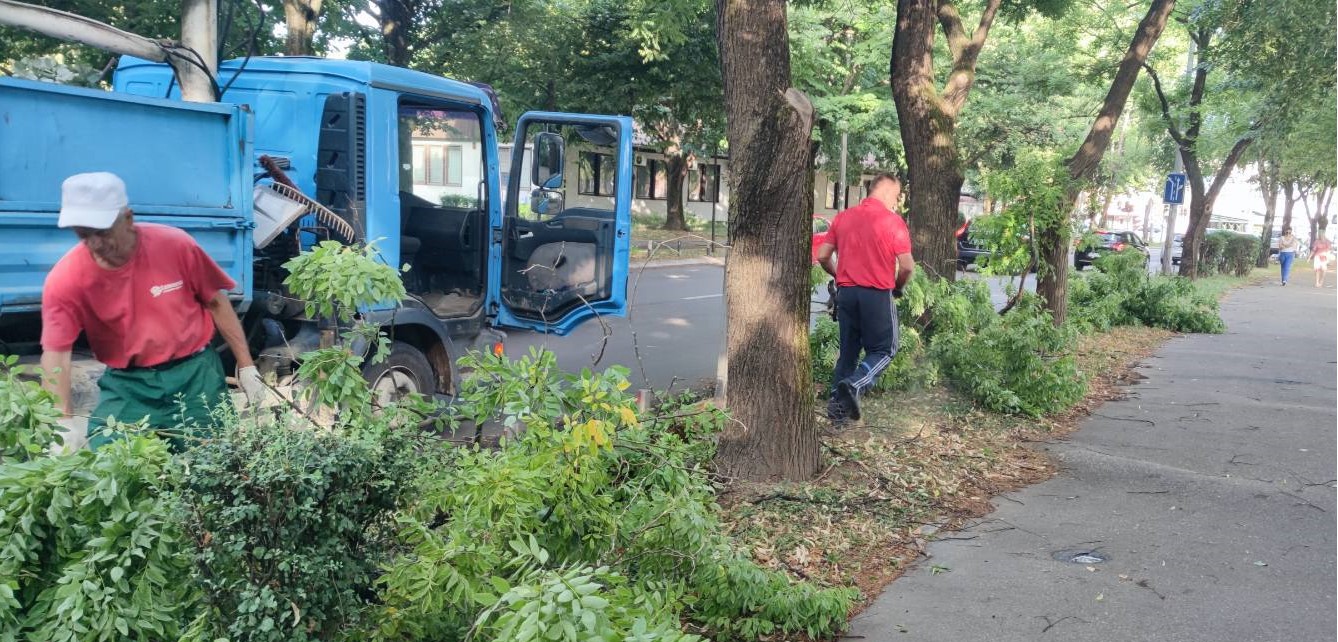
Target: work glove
point(73, 434)
point(252, 385)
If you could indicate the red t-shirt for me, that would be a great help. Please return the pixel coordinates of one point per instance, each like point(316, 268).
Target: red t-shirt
point(144, 313)
point(868, 237)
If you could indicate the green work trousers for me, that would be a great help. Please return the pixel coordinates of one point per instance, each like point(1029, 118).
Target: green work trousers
point(177, 401)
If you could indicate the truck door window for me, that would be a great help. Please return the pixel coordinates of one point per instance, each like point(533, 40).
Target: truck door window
point(559, 236)
point(442, 226)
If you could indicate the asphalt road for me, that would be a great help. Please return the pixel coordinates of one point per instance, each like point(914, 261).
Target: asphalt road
point(675, 330)
point(670, 339)
point(1209, 492)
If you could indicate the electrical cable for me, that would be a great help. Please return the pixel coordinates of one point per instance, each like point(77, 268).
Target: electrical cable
point(250, 50)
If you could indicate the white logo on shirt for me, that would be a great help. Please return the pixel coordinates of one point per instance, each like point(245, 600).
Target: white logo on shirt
point(159, 290)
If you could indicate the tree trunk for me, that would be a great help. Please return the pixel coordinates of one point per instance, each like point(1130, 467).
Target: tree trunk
point(1288, 203)
point(1268, 186)
point(1053, 285)
point(677, 171)
point(770, 393)
point(300, 18)
point(1203, 198)
point(927, 134)
point(1105, 208)
point(396, 25)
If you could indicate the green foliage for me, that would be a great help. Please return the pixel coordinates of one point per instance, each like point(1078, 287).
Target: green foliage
point(459, 200)
point(591, 523)
point(336, 280)
point(1121, 293)
point(935, 307)
point(910, 368)
point(1173, 303)
point(1212, 253)
point(290, 524)
point(1020, 364)
point(91, 546)
point(1034, 197)
point(1239, 255)
point(28, 415)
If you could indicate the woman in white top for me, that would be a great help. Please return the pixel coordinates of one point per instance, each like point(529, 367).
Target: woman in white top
point(1286, 252)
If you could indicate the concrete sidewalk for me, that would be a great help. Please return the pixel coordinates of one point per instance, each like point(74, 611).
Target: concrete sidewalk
point(1209, 491)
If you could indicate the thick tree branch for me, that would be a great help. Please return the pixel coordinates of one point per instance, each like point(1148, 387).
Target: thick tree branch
point(965, 53)
point(951, 21)
point(1228, 165)
point(1166, 108)
point(1085, 162)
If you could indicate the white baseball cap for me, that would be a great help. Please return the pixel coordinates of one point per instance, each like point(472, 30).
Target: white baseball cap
point(92, 200)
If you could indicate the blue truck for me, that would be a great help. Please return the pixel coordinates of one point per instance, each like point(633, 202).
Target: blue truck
point(301, 150)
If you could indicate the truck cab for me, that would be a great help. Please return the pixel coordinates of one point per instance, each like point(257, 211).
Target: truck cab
point(409, 162)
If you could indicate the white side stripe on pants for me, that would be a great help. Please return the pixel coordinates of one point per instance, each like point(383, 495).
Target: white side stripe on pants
point(867, 379)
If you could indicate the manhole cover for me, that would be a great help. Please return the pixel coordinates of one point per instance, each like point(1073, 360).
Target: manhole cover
point(1081, 557)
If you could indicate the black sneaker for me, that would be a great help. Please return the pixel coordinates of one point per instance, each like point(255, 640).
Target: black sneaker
point(848, 397)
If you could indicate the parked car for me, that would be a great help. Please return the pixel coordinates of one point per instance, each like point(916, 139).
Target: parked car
point(821, 225)
point(969, 250)
point(1177, 248)
point(1108, 242)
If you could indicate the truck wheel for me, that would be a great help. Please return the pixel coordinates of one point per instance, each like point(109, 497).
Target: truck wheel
point(403, 372)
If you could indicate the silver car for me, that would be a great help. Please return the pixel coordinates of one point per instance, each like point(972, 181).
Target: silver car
point(1177, 248)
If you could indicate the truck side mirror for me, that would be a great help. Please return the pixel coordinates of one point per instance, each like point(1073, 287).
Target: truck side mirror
point(546, 202)
point(549, 154)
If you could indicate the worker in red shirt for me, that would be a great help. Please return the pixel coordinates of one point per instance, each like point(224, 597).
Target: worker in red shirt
point(148, 299)
point(875, 250)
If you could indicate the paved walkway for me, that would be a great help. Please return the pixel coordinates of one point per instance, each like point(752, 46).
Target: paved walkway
point(1210, 491)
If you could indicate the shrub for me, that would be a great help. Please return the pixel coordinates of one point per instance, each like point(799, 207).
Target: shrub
point(1240, 254)
point(1020, 364)
point(90, 548)
point(459, 200)
point(1212, 252)
point(290, 524)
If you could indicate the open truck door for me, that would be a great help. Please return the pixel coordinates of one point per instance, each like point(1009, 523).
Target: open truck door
point(560, 253)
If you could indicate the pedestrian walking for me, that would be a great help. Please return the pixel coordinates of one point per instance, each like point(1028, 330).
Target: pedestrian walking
point(148, 299)
point(875, 262)
point(1321, 253)
point(1287, 245)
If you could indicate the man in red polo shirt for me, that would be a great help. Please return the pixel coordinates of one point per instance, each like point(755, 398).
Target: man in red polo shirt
point(148, 299)
point(875, 250)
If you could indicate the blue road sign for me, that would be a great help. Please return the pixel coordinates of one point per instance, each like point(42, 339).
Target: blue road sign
point(1174, 194)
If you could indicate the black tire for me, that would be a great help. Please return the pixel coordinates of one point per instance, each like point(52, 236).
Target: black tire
point(405, 370)
point(1078, 266)
point(962, 265)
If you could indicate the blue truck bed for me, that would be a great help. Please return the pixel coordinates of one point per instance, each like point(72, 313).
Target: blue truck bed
point(188, 165)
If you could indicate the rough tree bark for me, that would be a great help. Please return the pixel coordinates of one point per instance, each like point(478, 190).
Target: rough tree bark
point(300, 18)
point(1269, 187)
point(1201, 196)
point(928, 120)
point(1288, 203)
point(1053, 285)
point(1319, 218)
point(770, 393)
